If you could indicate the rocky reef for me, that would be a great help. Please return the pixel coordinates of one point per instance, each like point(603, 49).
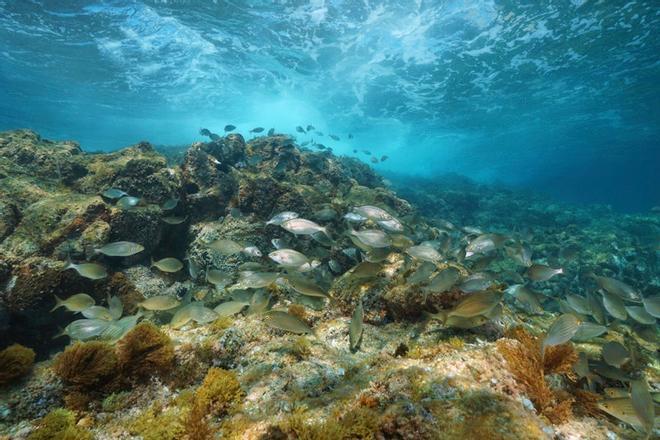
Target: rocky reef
point(411, 374)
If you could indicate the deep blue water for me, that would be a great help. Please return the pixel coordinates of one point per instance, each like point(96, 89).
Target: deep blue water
point(559, 96)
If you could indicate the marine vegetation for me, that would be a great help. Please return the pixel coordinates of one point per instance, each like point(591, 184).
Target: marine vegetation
point(59, 424)
point(86, 365)
point(145, 351)
point(220, 393)
point(526, 360)
point(15, 362)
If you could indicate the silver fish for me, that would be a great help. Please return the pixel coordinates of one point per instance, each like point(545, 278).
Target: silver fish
point(225, 246)
point(281, 217)
point(174, 220)
point(476, 282)
point(193, 268)
point(365, 269)
point(259, 302)
point(589, 330)
point(356, 329)
point(168, 264)
point(526, 296)
point(201, 314)
point(372, 238)
point(128, 202)
point(159, 303)
point(615, 354)
point(391, 225)
point(182, 316)
point(520, 253)
point(354, 217)
point(485, 243)
point(618, 288)
point(444, 280)
point(301, 226)
point(334, 266)
point(252, 251)
point(466, 323)
point(74, 303)
point(93, 271)
point(581, 366)
point(83, 329)
point(289, 258)
point(113, 193)
point(287, 322)
point(421, 274)
point(478, 303)
point(424, 253)
point(325, 214)
point(610, 372)
point(561, 330)
point(642, 402)
point(639, 314)
point(255, 280)
point(596, 307)
point(97, 312)
point(218, 277)
point(115, 306)
point(614, 305)
point(400, 241)
point(579, 303)
point(117, 329)
point(305, 286)
point(621, 409)
point(652, 305)
point(229, 308)
point(541, 272)
point(120, 249)
point(373, 213)
point(170, 204)
point(565, 307)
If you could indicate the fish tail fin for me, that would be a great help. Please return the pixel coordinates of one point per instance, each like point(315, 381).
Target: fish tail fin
point(58, 303)
point(59, 334)
point(69, 264)
point(440, 316)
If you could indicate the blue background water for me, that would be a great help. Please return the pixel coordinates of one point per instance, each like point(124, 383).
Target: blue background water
point(561, 98)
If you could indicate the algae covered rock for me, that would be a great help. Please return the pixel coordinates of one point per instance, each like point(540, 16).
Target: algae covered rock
point(138, 170)
point(209, 187)
point(241, 230)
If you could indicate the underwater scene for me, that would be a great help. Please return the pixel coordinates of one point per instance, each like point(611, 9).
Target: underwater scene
point(329, 219)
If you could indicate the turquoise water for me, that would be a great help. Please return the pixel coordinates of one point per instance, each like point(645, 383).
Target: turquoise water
point(559, 97)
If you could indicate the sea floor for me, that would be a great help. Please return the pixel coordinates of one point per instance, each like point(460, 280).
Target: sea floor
point(293, 363)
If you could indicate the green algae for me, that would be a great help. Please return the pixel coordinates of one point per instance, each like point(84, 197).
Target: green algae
point(59, 424)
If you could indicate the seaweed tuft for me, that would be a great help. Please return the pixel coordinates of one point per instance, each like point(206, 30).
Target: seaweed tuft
point(59, 424)
point(522, 352)
point(86, 364)
point(15, 361)
point(145, 351)
point(220, 393)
